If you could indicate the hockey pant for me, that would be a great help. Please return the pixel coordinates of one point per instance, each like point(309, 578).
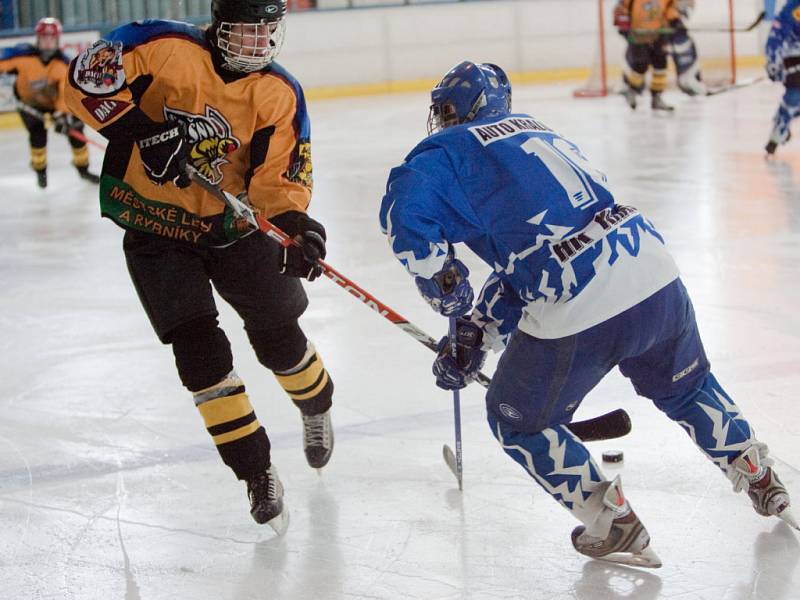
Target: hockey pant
point(561, 464)
point(174, 280)
point(539, 383)
point(787, 111)
point(638, 58)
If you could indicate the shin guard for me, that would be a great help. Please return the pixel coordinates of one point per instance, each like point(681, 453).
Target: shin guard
point(308, 383)
point(231, 421)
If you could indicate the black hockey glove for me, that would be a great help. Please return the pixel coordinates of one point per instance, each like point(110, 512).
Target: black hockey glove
point(301, 261)
point(455, 372)
point(63, 123)
point(165, 152)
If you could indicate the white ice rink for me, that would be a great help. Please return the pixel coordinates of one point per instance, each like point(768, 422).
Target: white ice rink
point(110, 488)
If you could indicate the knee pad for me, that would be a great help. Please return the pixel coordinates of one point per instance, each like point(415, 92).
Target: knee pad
point(202, 353)
point(280, 348)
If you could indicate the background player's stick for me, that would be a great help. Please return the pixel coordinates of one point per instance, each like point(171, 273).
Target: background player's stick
point(455, 461)
point(73, 133)
point(611, 425)
point(734, 86)
point(670, 30)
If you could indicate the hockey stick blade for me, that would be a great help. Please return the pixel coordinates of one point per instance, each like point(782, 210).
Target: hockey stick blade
point(450, 458)
point(609, 426)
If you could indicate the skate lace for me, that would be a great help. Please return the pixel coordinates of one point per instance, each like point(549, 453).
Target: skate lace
point(315, 431)
point(263, 487)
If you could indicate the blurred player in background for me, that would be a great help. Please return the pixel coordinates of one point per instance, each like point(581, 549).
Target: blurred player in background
point(167, 95)
point(41, 70)
point(684, 53)
point(580, 285)
point(783, 65)
point(645, 25)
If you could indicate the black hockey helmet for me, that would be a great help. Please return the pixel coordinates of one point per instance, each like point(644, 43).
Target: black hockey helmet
point(249, 33)
point(248, 11)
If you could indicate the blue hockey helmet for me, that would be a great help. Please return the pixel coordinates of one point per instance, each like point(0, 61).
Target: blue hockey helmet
point(469, 91)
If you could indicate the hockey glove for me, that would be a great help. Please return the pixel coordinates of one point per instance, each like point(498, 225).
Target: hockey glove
point(165, 152)
point(454, 373)
point(302, 260)
point(775, 70)
point(622, 20)
point(63, 123)
point(448, 291)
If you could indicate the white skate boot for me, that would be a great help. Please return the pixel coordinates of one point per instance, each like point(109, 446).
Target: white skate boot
point(616, 533)
point(767, 493)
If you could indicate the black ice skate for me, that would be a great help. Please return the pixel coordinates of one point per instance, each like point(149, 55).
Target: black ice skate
point(318, 439)
point(627, 541)
point(41, 177)
point(265, 492)
point(657, 103)
point(88, 175)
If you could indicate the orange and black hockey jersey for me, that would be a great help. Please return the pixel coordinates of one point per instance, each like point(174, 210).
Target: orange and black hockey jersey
point(39, 84)
point(247, 133)
point(650, 15)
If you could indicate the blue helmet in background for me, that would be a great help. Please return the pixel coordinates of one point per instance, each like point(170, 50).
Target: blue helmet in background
point(469, 91)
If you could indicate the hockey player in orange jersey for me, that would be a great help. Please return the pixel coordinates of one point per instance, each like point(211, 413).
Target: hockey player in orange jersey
point(645, 24)
point(41, 70)
point(168, 94)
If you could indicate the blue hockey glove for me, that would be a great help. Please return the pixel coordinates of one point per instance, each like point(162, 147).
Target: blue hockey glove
point(455, 373)
point(448, 291)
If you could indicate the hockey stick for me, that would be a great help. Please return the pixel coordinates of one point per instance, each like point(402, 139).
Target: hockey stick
point(690, 30)
point(73, 133)
point(455, 461)
point(611, 425)
point(734, 86)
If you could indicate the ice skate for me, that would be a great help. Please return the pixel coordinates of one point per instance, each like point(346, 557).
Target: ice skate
point(88, 175)
point(41, 177)
point(630, 96)
point(766, 492)
point(265, 492)
point(657, 103)
point(771, 147)
point(318, 439)
point(626, 540)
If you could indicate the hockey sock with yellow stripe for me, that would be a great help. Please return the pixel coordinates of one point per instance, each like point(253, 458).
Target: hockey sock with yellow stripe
point(80, 156)
point(231, 421)
point(308, 383)
point(38, 158)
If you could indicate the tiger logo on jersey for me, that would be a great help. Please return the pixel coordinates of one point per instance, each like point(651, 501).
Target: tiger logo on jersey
point(210, 140)
point(99, 69)
point(301, 169)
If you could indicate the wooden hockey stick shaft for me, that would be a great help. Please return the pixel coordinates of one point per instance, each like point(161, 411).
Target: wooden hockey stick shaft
point(611, 425)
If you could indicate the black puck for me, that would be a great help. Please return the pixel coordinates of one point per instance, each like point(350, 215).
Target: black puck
point(613, 456)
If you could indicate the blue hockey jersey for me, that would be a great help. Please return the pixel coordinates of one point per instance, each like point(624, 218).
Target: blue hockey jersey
point(784, 43)
point(565, 255)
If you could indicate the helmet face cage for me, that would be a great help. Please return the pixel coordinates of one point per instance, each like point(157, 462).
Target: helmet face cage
point(48, 34)
point(249, 47)
point(469, 91)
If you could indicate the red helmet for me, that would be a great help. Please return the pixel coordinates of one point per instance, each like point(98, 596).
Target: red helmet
point(48, 34)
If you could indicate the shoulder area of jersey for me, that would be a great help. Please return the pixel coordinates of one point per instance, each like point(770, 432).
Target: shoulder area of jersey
point(23, 49)
point(141, 32)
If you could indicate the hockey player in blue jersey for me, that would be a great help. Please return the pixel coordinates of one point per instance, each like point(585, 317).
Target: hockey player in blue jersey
point(783, 65)
point(580, 285)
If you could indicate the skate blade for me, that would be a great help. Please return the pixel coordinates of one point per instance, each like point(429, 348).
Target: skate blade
point(280, 523)
point(646, 558)
point(787, 517)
